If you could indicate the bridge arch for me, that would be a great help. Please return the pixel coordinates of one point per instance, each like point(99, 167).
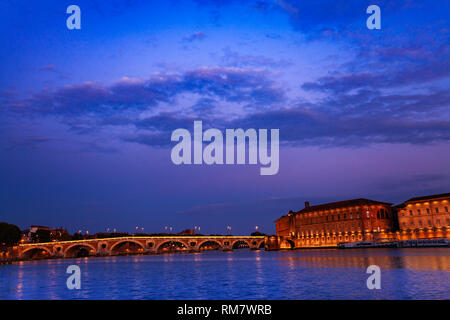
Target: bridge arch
point(122, 242)
point(210, 242)
point(27, 253)
point(83, 247)
point(241, 243)
point(260, 244)
point(287, 244)
point(171, 241)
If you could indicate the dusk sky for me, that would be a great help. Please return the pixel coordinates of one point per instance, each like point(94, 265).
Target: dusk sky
point(86, 115)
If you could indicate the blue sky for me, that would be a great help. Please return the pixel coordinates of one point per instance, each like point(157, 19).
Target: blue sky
point(86, 115)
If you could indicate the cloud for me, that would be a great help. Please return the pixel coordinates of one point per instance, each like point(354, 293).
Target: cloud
point(345, 120)
point(344, 82)
point(195, 36)
point(50, 67)
point(352, 116)
point(361, 119)
point(340, 19)
point(27, 142)
point(233, 58)
point(249, 87)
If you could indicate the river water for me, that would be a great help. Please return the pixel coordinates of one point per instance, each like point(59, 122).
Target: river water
point(241, 274)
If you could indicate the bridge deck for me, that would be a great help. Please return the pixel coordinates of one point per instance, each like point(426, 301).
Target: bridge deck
point(174, 237)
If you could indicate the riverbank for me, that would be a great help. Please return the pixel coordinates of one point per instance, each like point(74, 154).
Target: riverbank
point(418, 243)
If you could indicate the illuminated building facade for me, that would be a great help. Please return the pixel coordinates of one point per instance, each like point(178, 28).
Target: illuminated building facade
point(329, 224)
point(424, 217)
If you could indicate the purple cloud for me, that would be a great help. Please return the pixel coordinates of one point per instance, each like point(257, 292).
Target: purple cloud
point(195, 36)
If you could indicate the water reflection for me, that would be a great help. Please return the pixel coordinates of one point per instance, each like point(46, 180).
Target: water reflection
point(241, 274)
point(414, 259)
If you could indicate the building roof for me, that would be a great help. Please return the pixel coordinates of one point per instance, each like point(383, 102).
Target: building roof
point(338, 204)
point(442, 195)
point(40, 227)
point(341, 204)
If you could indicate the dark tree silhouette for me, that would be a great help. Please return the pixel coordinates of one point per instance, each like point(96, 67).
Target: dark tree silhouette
point(9, 234)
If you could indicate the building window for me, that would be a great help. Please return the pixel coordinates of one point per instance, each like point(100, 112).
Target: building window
point(418, 211)
point(428, 211)
point(410, 212)
point(446, 209)
point(437, 210)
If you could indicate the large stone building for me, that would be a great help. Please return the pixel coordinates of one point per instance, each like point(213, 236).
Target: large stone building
point(329, 224)
point(424, 217)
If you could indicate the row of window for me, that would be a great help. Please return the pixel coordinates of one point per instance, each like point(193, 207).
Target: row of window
point(428, 211)
point(334, 238)
point(327, 218)
point(381, 214)
point(422, 223)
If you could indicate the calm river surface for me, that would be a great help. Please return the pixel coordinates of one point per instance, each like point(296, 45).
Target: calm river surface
point(241, 274)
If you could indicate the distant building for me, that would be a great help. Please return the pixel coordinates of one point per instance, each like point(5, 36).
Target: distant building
point(327, 225)
point(427, 213)
point(54, 234)
point(25, 236)
point(187, 232)
point(34, 229)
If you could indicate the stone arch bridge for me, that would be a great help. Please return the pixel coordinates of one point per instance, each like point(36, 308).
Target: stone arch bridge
point(135, 245)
